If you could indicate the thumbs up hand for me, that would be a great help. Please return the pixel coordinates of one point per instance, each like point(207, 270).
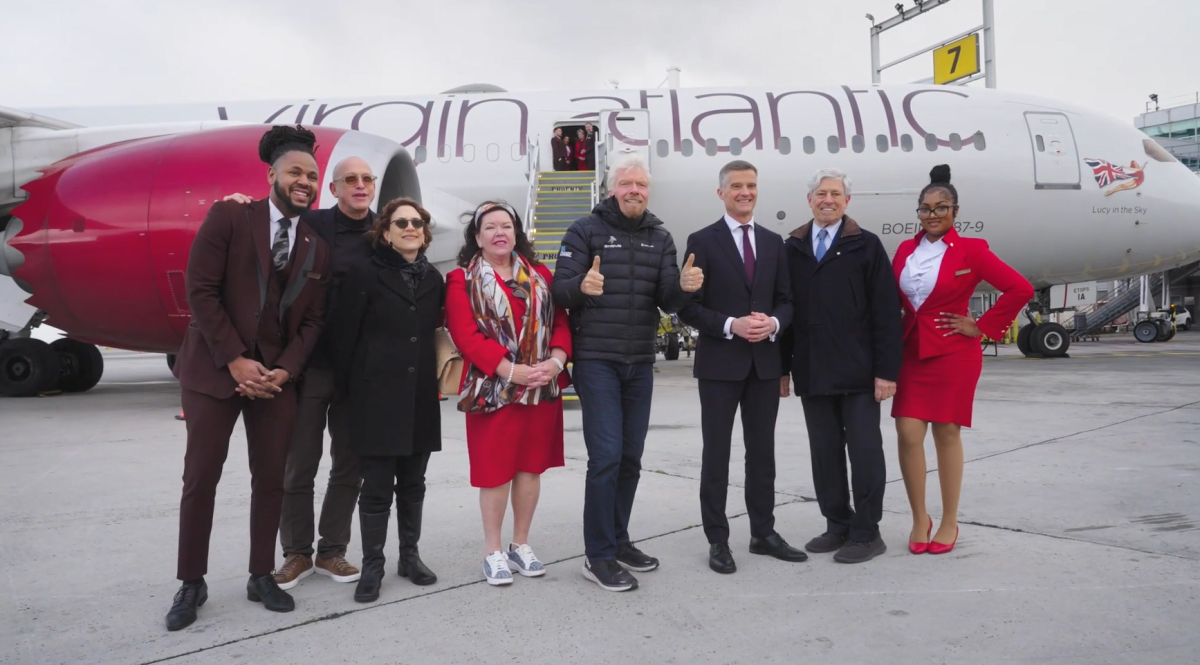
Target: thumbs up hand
point(593, 282)
point(692, 278)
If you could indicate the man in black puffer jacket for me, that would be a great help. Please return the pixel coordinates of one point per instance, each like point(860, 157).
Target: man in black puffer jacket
point(616, 269)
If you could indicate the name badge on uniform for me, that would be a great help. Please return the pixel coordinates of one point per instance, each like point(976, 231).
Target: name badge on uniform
point(962, 272)
point(312, 275)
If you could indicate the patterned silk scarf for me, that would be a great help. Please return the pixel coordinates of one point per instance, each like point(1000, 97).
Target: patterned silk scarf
point(527, 340)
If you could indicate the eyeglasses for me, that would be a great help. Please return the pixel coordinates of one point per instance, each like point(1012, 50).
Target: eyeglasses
point(483, 210)
point(517, 290)
point(940, 211)
point(403, 223)
point(352, 179)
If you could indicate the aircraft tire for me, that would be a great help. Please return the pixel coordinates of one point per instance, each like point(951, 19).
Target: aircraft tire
point(28, 367)
point(1146, 332)
point(672, 352)
point(1051, 340)
point(1025, 339)
point(82, 365)
point(1165, 331)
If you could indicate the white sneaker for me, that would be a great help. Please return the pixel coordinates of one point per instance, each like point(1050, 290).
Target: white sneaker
point(495, 569)
point(523, 558)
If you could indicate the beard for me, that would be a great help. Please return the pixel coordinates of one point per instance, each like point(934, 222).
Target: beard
point(290, 209)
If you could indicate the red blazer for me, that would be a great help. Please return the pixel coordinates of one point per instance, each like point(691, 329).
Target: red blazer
point(223, 292)
point(483, 351)
point(967, 262)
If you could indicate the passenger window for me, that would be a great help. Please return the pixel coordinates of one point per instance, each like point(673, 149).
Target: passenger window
point(421, 154)
point(810, 145)
point(687, 148)
point(444, 154)
point(710, 147)
point(881, 143)
point(735, 147)
point(468, 153)
point(906, 143)
point(493, 152)
point(1041, 144)
point(833, 144)
point(663, 147)
point(858, 143)
point(785, 145)
point(515, 153)
point(955, 142)
point(931, 143)
point(980, 142)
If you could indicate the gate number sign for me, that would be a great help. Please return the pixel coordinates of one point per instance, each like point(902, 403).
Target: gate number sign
point(956, 60)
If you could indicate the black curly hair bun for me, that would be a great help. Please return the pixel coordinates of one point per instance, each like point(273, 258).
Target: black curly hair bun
point(940, 175)
point(283, 139)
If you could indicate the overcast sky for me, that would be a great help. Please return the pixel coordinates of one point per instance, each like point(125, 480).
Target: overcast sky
point(1106, 54)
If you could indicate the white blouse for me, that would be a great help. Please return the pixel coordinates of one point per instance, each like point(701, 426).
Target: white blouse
point(921, 271)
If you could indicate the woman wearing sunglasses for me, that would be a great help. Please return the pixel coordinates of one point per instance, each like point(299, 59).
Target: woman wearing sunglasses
point(515, 343)
point(937, 272)
point(385, 366)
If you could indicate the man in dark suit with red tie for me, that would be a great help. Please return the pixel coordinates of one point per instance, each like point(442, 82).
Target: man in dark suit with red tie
point(745, 303)
point(256, 282)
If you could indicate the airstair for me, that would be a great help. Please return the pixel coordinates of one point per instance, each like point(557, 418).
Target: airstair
point(560, 198)
point(1089, 321)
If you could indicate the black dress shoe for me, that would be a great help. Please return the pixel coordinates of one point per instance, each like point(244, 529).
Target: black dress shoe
point(263, 589)
point(777, 547)
point(720, 559)
point(825, 543)
point(183, 612)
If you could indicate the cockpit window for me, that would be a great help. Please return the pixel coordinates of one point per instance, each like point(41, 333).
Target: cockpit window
point(1157, 152)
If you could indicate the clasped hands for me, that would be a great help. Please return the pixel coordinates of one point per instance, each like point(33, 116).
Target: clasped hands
point(753, 328)
point(531, 376)
point(255, 380)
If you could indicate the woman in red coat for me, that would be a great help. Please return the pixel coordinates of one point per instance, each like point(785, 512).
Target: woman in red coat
point(515, 342)
point(937, 272)
point(581, 152)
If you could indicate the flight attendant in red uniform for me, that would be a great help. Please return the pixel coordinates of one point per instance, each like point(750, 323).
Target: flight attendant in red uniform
point(937, 271)
point(515, 342)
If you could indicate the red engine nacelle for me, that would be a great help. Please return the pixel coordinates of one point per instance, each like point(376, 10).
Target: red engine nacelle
point(106, 233)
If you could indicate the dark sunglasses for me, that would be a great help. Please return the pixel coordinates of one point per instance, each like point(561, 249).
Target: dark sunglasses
point(416, 223)
point(352, 180)
point(517, 289)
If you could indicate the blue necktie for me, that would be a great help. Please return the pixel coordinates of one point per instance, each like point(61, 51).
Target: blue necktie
point(822, 246)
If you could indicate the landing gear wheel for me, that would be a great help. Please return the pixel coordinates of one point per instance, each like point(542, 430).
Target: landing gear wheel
point(1165, 331)
point(1145, 332)
point(1025, 339)
point(82, 365)
point(672, 352)
point(1051, 340)
point(28, 367)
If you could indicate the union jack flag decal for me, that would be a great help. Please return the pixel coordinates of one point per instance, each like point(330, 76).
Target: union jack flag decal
point(1106, 172)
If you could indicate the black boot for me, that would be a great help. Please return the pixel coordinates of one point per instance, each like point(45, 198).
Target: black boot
point(374, 537)
point(408, 516)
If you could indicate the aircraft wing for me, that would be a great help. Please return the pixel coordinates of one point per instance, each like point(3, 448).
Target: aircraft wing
point(10, 117)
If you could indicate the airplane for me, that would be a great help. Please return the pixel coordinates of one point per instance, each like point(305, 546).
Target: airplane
point(98, 205)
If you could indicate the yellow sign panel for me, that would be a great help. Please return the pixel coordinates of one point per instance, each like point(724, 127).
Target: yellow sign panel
point(956, 60)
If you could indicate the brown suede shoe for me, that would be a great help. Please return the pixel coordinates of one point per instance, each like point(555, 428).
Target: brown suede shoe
point(296, 568)
point(337, 568)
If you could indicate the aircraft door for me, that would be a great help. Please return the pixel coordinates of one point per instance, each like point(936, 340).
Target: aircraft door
point(1055, 155)
point(621, 131)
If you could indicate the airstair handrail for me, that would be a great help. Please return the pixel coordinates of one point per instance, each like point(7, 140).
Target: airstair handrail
point(535, 174)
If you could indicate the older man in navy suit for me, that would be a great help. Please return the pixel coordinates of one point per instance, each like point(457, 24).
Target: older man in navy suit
point(745, 303)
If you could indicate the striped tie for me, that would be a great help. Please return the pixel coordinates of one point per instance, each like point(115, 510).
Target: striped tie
point(279, 248)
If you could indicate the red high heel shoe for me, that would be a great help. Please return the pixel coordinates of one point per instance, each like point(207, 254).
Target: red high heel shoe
point(921, 548)
point(938, 548)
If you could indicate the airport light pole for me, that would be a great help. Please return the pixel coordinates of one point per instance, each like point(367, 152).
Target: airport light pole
point(920, 7)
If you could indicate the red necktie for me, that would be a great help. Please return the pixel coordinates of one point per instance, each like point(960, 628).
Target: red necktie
point(747, 253)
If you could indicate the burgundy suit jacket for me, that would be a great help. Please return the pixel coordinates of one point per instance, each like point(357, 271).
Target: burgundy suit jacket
point(966, 263)
point(229, 266)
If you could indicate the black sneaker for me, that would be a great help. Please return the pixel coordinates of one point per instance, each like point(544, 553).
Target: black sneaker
point(859, 552)
point(635, 559)
point(826, 542)
point(609, 575)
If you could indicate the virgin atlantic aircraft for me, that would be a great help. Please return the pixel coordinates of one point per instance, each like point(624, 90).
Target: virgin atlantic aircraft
point(98, 206)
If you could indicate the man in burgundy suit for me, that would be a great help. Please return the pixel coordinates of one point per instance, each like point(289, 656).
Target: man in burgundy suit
point(256, 282)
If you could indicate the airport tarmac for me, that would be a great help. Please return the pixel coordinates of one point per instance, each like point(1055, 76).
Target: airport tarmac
point(1080, 540)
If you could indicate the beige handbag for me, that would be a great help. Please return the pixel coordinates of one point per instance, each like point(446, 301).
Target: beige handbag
point(449, 363)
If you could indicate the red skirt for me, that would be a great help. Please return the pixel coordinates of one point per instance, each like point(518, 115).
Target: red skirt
point(517, 438)
point(939, 389)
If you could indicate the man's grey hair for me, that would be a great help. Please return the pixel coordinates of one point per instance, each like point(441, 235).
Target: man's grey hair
point(735, 165)
point(828, 174)
point(626, 162)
